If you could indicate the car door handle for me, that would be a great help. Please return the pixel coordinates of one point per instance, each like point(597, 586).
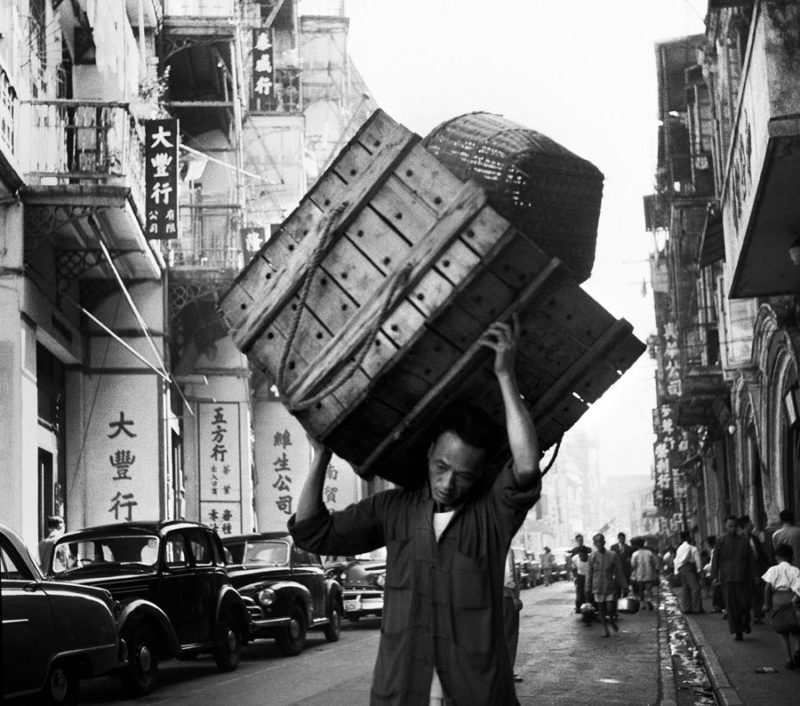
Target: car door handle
point(31, 587)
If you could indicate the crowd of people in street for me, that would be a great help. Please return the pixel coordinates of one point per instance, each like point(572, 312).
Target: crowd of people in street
point(749, 580)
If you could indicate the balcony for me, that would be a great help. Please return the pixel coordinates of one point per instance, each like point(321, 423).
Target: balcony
point(83, 163)
point(209, 237)
point(9, 169)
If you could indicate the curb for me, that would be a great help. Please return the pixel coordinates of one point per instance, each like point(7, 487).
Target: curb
point(724, 691)
point(668, 689)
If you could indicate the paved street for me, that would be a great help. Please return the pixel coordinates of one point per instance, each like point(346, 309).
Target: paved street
point(561, 661)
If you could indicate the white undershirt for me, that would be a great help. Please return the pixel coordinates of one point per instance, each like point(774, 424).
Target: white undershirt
point(440, 522)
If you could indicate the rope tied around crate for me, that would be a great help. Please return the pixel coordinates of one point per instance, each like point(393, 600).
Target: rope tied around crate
point(398, 279)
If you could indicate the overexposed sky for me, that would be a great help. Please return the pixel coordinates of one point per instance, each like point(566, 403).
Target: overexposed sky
point(581, 72)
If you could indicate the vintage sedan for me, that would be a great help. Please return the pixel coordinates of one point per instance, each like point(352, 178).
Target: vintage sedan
point(54, 634)
point(171, 581)
point(285, 589)
point(363, 579)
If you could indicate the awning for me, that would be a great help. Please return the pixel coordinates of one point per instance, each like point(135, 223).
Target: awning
point(712, 241)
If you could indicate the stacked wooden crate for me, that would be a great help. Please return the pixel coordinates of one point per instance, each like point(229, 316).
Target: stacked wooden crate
point(367, 305)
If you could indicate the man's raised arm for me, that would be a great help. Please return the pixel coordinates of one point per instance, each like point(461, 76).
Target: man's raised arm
point(310, 502)
point(522, 439)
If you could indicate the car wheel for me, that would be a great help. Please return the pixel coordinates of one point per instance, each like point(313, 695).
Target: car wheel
point(334, 626)
point(228, 651)
point(61, 687)
point(140, 673)
point(292, 638)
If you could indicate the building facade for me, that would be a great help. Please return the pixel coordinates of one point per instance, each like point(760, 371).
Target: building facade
point(124, 396)
point(725, 269)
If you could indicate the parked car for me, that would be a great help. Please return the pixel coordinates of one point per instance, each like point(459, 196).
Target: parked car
point(563, 569)
point(54, 634)
point(522, 563)
point(171, 581)
point(285, 589)
point(362, 580)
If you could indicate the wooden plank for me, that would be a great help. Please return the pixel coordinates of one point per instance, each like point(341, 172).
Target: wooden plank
point(563, 387)
point(284, 284)
point(466, 362)
point(346, 341)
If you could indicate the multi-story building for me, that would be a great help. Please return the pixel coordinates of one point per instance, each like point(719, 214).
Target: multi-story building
point(125, 397)
point(726, 269)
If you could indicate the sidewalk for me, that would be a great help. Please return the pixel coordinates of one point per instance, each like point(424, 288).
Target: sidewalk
point(733, 666)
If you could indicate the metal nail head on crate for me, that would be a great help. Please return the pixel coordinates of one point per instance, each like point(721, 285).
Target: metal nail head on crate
point(367, 305)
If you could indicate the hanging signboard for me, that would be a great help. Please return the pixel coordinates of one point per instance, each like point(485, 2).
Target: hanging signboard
point(220, 466)
point(263, 89)
point(121, 453)
point(161, 178)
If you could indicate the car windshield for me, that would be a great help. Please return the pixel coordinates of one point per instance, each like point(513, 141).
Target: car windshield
point(261, 553)
point(140, 550)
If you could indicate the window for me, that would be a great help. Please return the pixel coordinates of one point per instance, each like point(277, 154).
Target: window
point(200, 547)
point(175, 551)
point(11, 566)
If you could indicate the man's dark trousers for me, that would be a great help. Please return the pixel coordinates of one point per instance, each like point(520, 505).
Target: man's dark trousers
point(691, 593)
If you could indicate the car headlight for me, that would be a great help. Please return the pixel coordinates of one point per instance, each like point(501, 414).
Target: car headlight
point(343, 576)
point(266, 596)
point(381, 580)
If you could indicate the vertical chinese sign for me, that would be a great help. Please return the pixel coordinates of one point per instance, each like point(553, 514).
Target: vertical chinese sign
point(263, 88)
point(122, 451)
point(283, 459)
point(161, 178)
point(219, 457)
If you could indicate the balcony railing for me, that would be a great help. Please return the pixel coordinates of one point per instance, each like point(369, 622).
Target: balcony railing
point(82, 142)
point(199, 8)
point(209, 236)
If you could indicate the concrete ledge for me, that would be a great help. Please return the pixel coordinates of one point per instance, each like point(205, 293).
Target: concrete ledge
point(723, 690)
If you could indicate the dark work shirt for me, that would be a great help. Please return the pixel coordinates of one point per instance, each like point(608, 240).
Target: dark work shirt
point(443, 600)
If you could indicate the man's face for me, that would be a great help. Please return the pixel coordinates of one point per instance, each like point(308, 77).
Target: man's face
point(599, 542)
point(579, 540)
point(621, 538)
point(454, 467)
point(731, 526)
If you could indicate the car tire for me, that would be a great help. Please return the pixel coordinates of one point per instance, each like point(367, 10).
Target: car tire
point(139, 675)
point(292, 638)
point(228, 651)
point(61, 687)
point(334, 626)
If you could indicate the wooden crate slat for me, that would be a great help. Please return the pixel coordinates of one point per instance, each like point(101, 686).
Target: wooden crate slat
point(282, 286)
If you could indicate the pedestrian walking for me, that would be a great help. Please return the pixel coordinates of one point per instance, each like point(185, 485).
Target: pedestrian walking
point(788, 533)
point(717, 604)
point(442, 633)
point(55, 529)
point(732, 565)
point(644, 572)
point(604, 580)
point(761, 563)
point(781, 592)
point(625, 553)
point(688, 568)
point(580, 566)
point(548, 562)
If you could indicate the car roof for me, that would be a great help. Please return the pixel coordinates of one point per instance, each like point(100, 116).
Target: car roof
point(251, 536)
point(22, 549)
point(132, 528)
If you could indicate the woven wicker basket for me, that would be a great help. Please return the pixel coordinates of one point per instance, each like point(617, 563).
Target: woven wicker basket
point(543, 189)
